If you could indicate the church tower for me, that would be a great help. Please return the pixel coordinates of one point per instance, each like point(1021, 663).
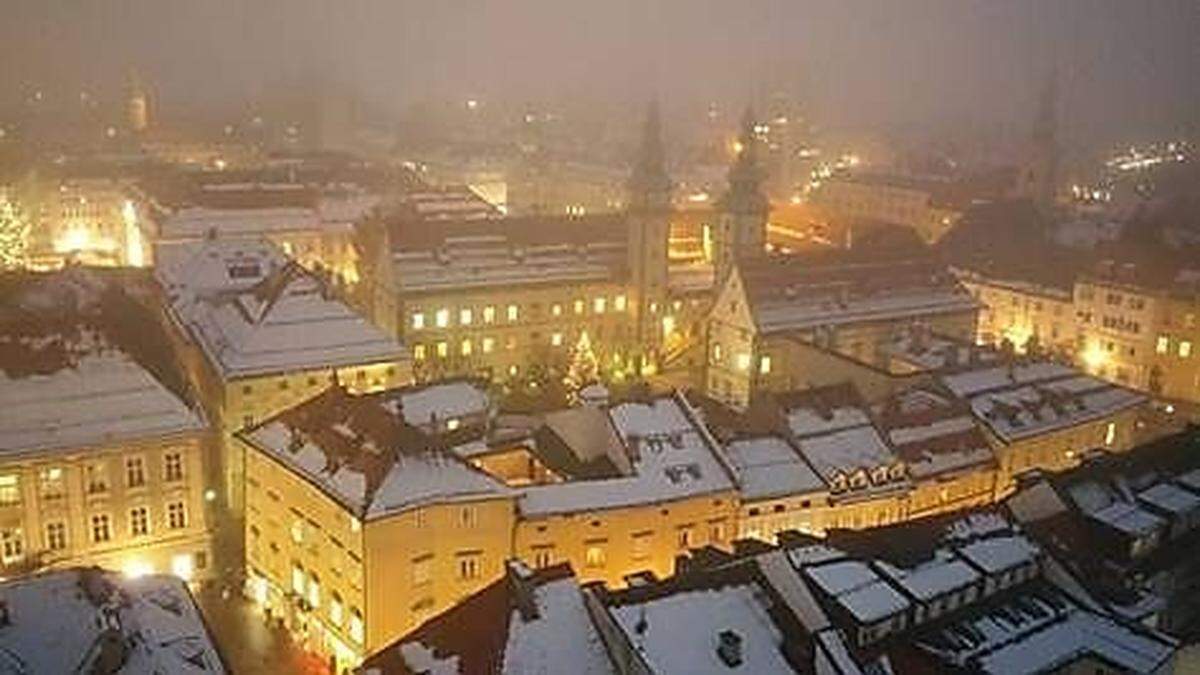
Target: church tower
point(137, 104)
point(742, 225)
point(648, 220)
point(1039, 179)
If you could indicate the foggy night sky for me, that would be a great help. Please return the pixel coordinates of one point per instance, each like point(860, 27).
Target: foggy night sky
point(1127, 67)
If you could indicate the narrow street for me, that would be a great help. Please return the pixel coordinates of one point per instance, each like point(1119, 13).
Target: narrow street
point(248, 644)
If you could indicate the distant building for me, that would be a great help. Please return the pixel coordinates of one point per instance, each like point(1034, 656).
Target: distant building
point(788, 322)
point(86, 620)
point(930, 206)
point(105, 458)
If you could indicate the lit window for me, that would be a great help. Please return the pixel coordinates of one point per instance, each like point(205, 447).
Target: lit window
point(97, 480)
point(489, 345)
point(418, 320)
point(418, 352)
point(10, 490)
point(443, 349)
point(654, 308)
point(489, 314)
point(556, 309)
point(335, 609)
point(743, 362)
point(53, 485)
point(513, 312)
point(513, 370)
point(298, 580)
point(619, 303)
point(1164, 344)
point(579, 306)
point(453, 424)
point(717, 354)
point(465, 316)
point(1185, 349)
point(356, 625)
point(465, 348)
point(594, 557)
point(442, 318)
point(764, 365)
point(556, 339)
point(314, 591)
point(599, 305)
point(1110, 433)
point(298, 531)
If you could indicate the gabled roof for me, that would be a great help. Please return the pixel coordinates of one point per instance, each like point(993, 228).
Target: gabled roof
point(254, 312)
point(367, 458)
point(801, 292)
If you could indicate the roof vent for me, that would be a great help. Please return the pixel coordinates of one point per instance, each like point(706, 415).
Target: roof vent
point(729, 648)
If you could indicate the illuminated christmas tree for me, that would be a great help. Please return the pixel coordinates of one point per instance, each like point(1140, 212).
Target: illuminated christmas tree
point(14, 235)
point(583, 369)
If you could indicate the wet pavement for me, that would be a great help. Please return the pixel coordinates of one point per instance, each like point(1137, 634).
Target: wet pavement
point(249, 645)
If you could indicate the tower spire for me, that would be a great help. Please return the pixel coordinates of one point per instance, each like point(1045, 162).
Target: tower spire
point(649, 185)
point(745, 176)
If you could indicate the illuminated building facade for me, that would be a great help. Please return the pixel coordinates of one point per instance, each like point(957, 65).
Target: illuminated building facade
point(103, 460)
point(359, 524)
point(1026, 315)
point(258, 333)
point(923, 204)
point(516, 297)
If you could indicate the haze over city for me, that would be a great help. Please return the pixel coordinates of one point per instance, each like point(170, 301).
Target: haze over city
point(621, 337)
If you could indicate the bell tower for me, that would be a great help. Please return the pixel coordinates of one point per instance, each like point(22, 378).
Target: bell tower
point(648, 219)
point(742, 222)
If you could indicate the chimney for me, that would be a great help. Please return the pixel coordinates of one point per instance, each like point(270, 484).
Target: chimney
point(520, 583)
point(729, 648)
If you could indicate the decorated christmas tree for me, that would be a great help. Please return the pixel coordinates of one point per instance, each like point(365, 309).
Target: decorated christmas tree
point(583, 368)
point(14, 235)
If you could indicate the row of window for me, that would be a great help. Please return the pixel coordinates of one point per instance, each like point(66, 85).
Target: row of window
point(52, 480)
point(467, 316)
point(743, 361)
point(56, 533)
point(307, 585)
point(1183, 347)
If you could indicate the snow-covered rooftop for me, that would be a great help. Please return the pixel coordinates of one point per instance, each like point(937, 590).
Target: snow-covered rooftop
point(770, 467)
point(1129, 518)
point(673, 457)
point(105, 398)
point(491, 260)
point(997, 554)
point(932, 578)
point(1170, 498)
point(681, 630)
point(57, 623)
point(256, 313)
point(840, 455)
point(1044, 631)
point(441, 401)
point(359, 453)
point(1025, 400)
point(804, 311)
point(858, 589)
point(561, 639)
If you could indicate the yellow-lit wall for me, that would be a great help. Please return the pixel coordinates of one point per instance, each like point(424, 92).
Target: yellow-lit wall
point(43, 502)
point(394, 571)
point(628, 540)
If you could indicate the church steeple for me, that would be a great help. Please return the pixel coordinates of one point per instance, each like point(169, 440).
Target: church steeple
point(742, 231)
point(745, 175)
point(649, 185)
point(1040, 179)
